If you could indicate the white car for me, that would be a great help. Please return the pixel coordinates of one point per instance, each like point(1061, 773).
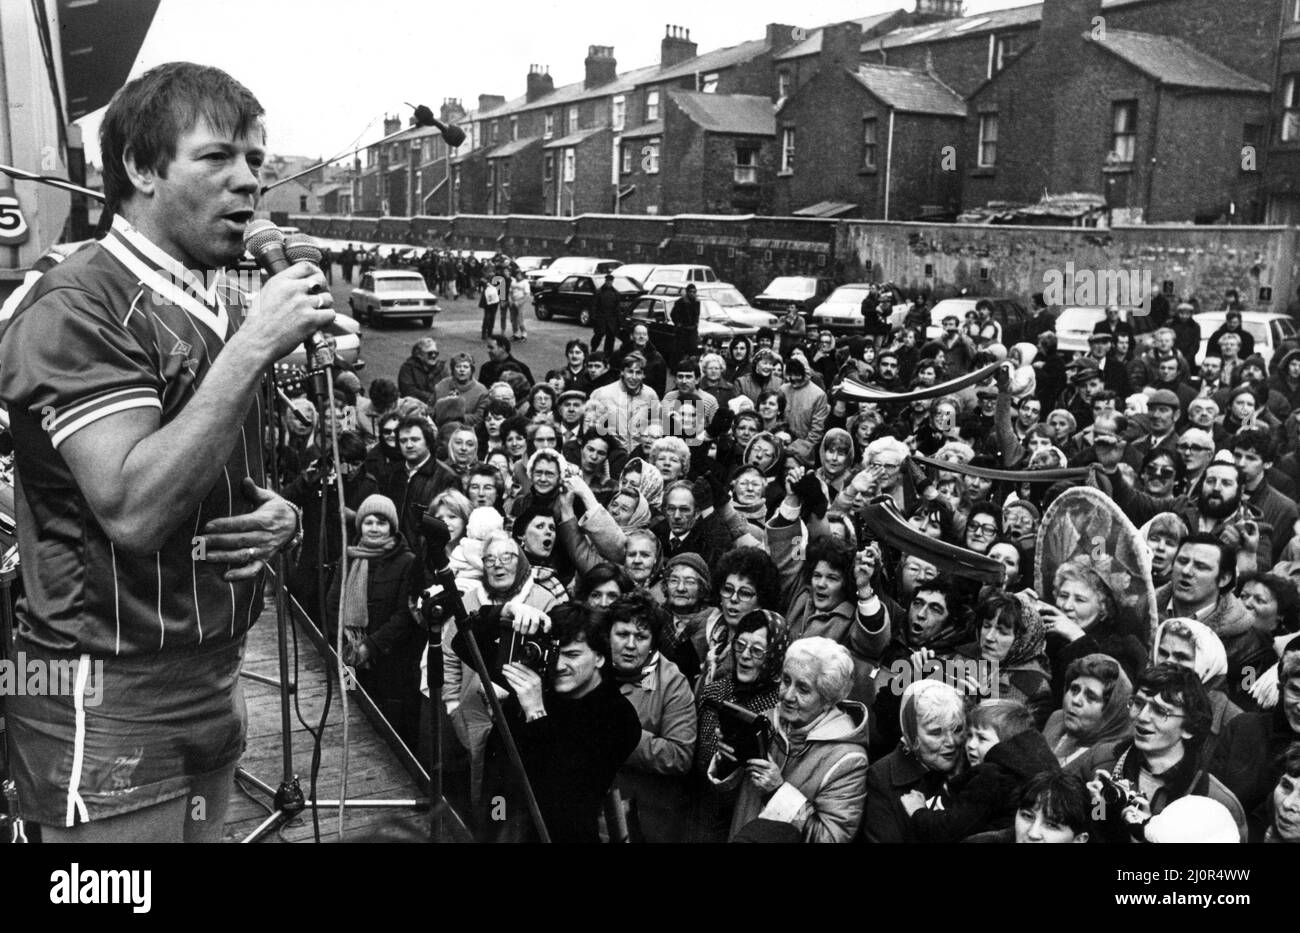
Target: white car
point(393, 294)
point(842, 311)
point(1074, 326)
point(566, 266)
point(734, 311)
point(1267, 327)
point(638, 271)
point(679, 275)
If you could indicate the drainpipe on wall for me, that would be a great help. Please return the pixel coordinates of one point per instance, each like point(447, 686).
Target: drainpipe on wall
point(889, 160)
point(1155, 146)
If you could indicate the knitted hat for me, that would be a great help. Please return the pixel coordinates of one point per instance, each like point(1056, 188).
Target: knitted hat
point(349, 381)
point(381, 506)
point(1255, 360)
point(1025, 504)
point(482, 522)
point(1193, 819)
point(696, 563)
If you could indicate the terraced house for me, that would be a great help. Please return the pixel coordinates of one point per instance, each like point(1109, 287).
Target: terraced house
point(1133, 110)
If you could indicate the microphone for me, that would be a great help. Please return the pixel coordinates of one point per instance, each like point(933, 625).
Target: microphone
point(265, 242)
point(452, 134)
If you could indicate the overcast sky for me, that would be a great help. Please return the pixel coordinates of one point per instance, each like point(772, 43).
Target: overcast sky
point(327, 70)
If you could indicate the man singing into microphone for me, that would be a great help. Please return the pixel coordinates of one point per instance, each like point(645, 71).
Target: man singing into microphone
point(131, 375)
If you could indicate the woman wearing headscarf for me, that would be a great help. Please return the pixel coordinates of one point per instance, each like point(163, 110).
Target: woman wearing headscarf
point(814, 775)
point(646, 479)
point(836, 458)
point(1010, 636)
point(767, 452)
point(752, 683)
point(600, 534)
point(508, 578)
point(1095, 711)
point(381, 640)
point(1192, 644)
point(932, 718)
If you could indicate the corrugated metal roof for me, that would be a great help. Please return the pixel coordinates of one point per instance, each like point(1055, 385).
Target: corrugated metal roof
point(1174, 62)
point(910, 91)
point(826, 209)
point(746, 114)
point(813, 44)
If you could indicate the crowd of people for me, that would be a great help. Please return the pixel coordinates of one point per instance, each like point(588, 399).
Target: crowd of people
point(697, 538)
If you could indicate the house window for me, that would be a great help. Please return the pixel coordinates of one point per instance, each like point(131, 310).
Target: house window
point(1005, 48)
point(573, 120)
point(492, 176)
point(651, 106)
point(988, 152)
point(1123, 130)
point(302, 202)
point(496, 130)
point(625, 159)
point(787, 150)
point(869, 146)
point(782, 84)
point(650, 157)
point(618, 113)
point(1291, 108)
point(746, 165)
point(570, 165)
point(709, 83)
point(548, 167)
point(514, 128)
point(1252, 139)
point(548, 125)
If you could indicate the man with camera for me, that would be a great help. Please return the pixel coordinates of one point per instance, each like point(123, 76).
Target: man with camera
point(1134, 779)
point(572, 726)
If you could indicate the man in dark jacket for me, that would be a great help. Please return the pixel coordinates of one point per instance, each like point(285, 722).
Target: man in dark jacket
point(501, 360)
point(1232, 325)
point(605, 317)
point(419, 374)
point(413, 488)
point(686, 531)
point(574, 731)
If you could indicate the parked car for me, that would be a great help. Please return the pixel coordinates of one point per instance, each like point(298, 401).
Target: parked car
point(572, 265)
point(728, 298)
point(842, 311)
point(637, 270)
point(805, 293)
point(393, 294)
point(1074, 325)
point(575, 296)
point(1267, 327)
point(527, 264)
point(347, 345)
point(679, 274)
point(1010, 315)
point(715, 320)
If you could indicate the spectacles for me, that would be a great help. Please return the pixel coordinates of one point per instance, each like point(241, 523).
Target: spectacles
point(730, 592)
point(1189, 447)
point(505, 560)
point(744, 649)
point(1159, 712)
point(1165, 473)
point(983, 528)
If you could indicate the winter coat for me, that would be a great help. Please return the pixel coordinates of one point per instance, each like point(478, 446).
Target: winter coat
point(987, 796)
point(1245, 758)
point(1231, 621)
point(653, 780)
point(888, 780)
point(825, 778)
point(1121, 760)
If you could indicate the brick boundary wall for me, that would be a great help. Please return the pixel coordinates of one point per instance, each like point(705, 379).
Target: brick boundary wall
point(940, 259)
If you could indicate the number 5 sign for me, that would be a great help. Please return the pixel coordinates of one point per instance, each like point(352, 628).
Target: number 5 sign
point(13, 225)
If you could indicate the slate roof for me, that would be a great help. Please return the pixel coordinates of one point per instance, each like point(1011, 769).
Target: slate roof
point(745, 114)
point(514, 147)
point(1174, 62)
point(910, 91)
point(813, 44)
point(574, 138)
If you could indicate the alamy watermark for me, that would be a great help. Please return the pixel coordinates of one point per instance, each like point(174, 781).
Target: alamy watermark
point(24, 676)
point(1099, 288)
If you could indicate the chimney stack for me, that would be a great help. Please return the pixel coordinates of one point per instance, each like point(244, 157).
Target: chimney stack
point(391, 124)
point(452, 110)
point(489, 102)
point(935, 11)
point(781, 36)
point(676, 46)
point(841, 46)
point(601, 68)
point(540, 82)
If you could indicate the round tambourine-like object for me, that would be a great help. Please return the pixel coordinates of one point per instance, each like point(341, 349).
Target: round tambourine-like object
point(1084, 526)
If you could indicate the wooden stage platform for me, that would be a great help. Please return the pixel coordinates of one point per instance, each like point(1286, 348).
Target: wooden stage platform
point(375, 771)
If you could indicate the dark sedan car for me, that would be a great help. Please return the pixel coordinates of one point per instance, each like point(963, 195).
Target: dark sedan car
point(575, 296)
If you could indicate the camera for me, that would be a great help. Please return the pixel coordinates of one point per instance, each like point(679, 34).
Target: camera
point(1118, 793)
point(536, 651)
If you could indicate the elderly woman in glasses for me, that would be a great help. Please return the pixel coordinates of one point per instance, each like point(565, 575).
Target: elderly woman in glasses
point(508, 577)
point(745, 579)
point(813, 778)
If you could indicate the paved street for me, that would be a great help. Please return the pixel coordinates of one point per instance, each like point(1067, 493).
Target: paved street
point(456, 329)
